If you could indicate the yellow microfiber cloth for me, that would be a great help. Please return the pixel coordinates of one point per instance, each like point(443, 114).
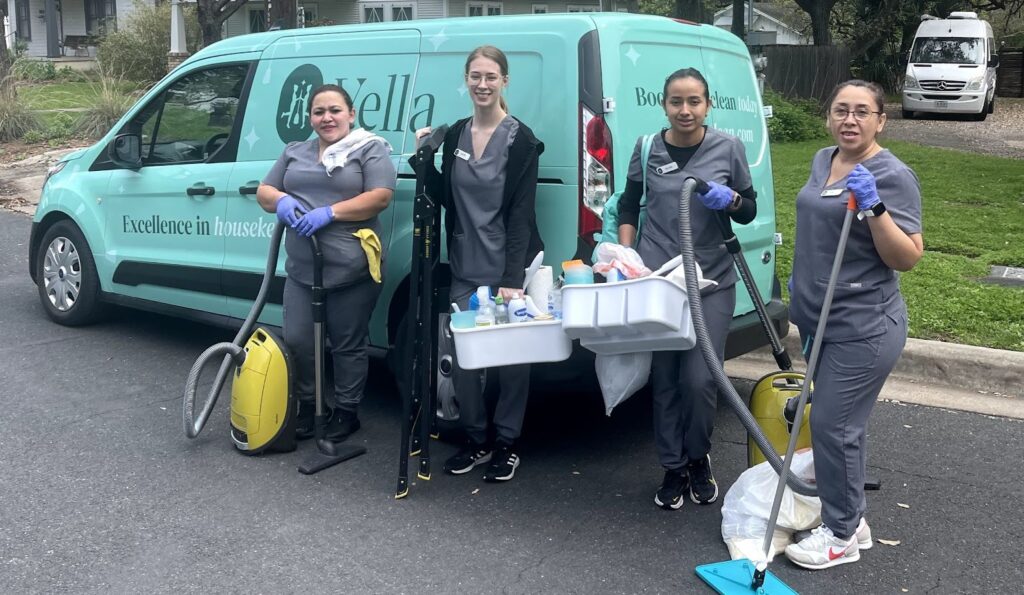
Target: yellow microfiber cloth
point(371, 245)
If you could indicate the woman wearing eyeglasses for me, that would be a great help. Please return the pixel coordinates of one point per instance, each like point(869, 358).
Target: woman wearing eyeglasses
point(867, 323)
point(488, 185)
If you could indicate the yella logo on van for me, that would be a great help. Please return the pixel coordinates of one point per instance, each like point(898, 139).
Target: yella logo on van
point(293, 105)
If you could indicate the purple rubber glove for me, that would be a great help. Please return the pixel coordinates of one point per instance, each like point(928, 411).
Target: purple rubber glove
point(313, 221)
point(862, 183)
point(717, 198)
point(286, 207)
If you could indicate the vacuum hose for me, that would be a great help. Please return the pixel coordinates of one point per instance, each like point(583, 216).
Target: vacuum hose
point(708, 351)
point(233, 354)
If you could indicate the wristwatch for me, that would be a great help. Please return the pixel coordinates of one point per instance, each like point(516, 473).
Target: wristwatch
point(874, 211)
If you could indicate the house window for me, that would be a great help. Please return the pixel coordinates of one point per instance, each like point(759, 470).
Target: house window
point(100, 16)
point(540, 9)
point(257, 21)
point(379, 12)
point(479, 9)
point(583, 8)
point(308, 13)
point(23, 26)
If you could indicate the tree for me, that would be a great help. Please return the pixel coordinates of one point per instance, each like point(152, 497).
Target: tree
point(690, 10)
point(212, 14)
point(819, 11)
point(283, 14)
point(738, 10)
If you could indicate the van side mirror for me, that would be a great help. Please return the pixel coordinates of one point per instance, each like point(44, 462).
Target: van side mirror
point(993, 62)
point(126, 151)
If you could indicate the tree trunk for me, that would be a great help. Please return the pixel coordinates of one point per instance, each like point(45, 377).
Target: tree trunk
point(819, 11)
point(690, 10)
point(738, 14)
point(283, 14)
point(212, 14)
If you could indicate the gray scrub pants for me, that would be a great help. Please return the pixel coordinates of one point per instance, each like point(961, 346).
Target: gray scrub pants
point(848, 379)
point(346, 327)
point(684, 392)
point(514, 389)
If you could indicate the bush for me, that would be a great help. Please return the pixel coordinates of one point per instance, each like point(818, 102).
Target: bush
point(111, 99)
point(34, 71)
point(32, 137)
point(61, 126)
point(794, 120)
point(138, 50)
point(15, 117)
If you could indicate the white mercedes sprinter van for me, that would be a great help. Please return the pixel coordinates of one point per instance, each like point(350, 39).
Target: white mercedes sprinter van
point(952, 67)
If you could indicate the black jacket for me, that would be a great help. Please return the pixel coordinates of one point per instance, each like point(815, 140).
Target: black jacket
point(522, 240)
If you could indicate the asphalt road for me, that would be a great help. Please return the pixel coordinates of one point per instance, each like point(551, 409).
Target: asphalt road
point(102, 493)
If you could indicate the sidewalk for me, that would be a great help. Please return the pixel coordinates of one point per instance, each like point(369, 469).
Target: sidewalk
point(949, 375)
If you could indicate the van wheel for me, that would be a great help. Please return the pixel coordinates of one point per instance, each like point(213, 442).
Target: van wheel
point(992, 105)
point(908, 114)
point(68, 285)
point(980, 117)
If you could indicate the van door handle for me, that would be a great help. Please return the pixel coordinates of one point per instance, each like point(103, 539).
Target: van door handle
point(249, 187)
point(200, 189)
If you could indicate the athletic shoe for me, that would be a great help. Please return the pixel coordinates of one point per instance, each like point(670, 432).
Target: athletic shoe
point(864, 541)
point(503, 465)
point(304, 428)
point(823, 550)
point(468, 457)
point(670, 494)
point(703, 487)
point(341, 425)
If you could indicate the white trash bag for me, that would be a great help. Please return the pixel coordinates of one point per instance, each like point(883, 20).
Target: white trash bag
point(749, 502)
point(621, 376)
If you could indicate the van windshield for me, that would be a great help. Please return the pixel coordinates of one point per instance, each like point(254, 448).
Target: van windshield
point(948, 50)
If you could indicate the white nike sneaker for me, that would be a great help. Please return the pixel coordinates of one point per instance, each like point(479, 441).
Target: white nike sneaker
point(864, 541)
point(823, 550)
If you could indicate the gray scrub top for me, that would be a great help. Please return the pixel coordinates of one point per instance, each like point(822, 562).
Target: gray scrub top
point(867, 290)
point(299, 173)
point(477, 253)
point(720, 158)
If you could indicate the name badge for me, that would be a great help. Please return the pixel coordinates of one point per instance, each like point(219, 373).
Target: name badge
point(832, 192)
point(462, 154)
point(668, 167)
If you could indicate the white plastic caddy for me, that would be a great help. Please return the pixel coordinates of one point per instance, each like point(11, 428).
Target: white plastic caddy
point(648, 314)
point(511, 344)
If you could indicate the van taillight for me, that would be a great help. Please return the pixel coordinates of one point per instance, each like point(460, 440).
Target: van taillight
point(595, 173)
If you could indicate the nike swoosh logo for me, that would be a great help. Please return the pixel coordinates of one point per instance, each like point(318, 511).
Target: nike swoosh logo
point(832, 554)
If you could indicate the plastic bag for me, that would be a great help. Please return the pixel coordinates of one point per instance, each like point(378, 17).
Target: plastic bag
point(749, 502)
point(626, 260)
point(620, 376)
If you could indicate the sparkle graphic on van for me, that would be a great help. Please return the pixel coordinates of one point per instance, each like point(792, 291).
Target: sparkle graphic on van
point(437, 40)
point(252, 138)
point(633, 55)
point(293, 104)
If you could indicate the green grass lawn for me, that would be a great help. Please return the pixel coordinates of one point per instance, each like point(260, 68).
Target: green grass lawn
point(973, 209)
point(64, 95)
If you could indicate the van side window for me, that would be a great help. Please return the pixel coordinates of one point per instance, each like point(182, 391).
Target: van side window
point(193, 118)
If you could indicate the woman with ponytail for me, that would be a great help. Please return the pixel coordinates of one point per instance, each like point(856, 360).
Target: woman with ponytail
point(488, 185)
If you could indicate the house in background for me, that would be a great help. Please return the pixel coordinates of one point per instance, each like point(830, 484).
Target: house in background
point(45, 26)
point(773, 24)
point(251, 18)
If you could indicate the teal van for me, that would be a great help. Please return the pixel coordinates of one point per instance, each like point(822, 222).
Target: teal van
point(161, 213)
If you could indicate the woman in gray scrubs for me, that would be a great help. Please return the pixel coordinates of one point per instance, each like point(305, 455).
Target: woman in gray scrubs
point(334, 205)
point(683, 389)
point(488, 184)
point(867, 323)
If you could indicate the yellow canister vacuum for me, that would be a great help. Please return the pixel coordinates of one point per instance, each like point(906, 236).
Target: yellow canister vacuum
point(775, 396)
point(263, 408)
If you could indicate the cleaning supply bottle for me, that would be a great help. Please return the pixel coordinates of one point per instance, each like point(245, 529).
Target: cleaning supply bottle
point(500, 311)
point(517, 310)
point(485, 311)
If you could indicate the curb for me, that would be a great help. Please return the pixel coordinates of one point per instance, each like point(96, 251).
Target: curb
point(962, 367)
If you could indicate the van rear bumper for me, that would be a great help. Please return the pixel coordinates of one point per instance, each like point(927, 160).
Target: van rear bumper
point(956, 103)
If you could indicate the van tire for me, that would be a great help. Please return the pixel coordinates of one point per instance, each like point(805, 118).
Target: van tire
point(64, 265)
point(992, 105)
point(980, 117)
point(908, 114)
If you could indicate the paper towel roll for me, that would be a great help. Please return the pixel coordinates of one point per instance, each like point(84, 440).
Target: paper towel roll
point(540, 286)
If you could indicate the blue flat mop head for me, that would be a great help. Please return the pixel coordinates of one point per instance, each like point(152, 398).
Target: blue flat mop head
point(735, 577)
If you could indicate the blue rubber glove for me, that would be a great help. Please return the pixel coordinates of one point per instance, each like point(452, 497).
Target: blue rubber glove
point(717, 198)
point(286, 206)
point(789, 285)
point(862, 183)
point(313, 221)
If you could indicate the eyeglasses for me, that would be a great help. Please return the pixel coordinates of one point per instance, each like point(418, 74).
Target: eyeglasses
point(840, 113)
point(476, 77)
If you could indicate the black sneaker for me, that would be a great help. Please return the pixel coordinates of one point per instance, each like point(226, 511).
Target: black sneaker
point(703, 488)
point(469, 456)
point(670, 494)
point(304, 421)
point(341, 425)
point(503, 465)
